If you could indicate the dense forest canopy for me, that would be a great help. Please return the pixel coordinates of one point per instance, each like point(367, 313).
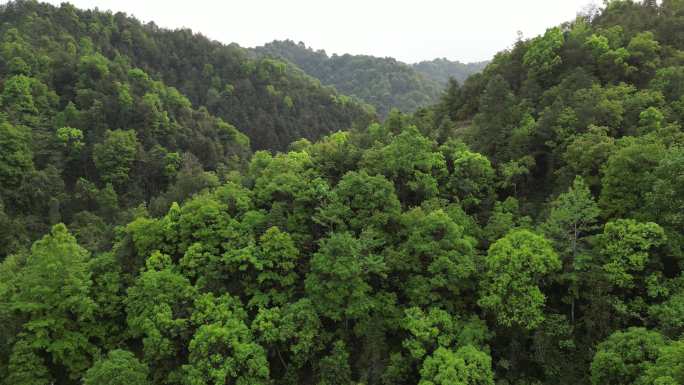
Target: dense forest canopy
point(385, 83)
point(526, 229)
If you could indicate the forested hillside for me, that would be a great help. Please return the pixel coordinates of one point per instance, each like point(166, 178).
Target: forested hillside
point(527, 229)
point(384, 83)
point(91, 128)
point(441, 70)
point(269, 101)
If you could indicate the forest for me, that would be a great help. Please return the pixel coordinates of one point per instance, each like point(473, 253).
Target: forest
point(384, 83)
point(174, 210)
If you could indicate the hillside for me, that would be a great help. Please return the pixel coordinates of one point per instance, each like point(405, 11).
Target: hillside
point(269, 101)
point(526, 229)
point(441, 70)
point(384, 83)
point(93, 127)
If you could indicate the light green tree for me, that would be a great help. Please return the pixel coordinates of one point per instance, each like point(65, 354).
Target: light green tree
point(120, 367)
point(53, 294)
point(293, 332)
point(222, 349)
point(668, 368)
point(515, 267)
point(360, 201)
point(626, 245)
point(543, 57)
point(409, 161)
point(465, 366)
point(625, 356)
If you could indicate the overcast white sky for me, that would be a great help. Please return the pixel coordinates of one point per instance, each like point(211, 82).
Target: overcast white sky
point(407, 30)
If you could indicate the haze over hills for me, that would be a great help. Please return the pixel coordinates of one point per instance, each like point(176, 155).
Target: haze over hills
point(384, 83)
point(526, 229)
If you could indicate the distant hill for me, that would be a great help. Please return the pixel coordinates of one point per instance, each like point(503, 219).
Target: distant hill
point(385, 83)
point(442, 69)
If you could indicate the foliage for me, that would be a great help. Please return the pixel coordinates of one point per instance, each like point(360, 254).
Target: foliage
point(120, 367)
point(384, 83)
point(515, 267)
point(526, 229)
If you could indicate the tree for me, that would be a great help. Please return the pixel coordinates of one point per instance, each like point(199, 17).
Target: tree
point(588, 152)
point(666, 197)
point(668, 368)
point(435, 328)
point(115, 155)
point(120, 367)
point(651, 120)
point(26, 367)
point(669, 81)
point(12, 234)
point(669, 314)
point(276, 265)
point(295, 333)
point(337, 281)
point(573, 215)
point(190, 179)
point(505, 217)
point(360, 201)
point(222, 353)
point(471, 176)
point(452, 99)
point(17, 100)
point(158, 308)
point(290, 188)
point(435, 259)
point(515, 173)
point(335, 154)
point(572, 218)
point(222, 349)
point(644, 56)
point(53, 294)
point(628, 176)
point(466, 366)
point(18, 53)
point(542, 58)
point(16, 157)
point(334, 368)
point(498, 115)
point(514, 268)
point(626, 246)
point(411, 163)
point(71, 139)
point(625, 356)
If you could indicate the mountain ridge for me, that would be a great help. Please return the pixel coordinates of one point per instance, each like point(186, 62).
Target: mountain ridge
point(383, 82)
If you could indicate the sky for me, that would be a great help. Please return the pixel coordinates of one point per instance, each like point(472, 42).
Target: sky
point(410, 31)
